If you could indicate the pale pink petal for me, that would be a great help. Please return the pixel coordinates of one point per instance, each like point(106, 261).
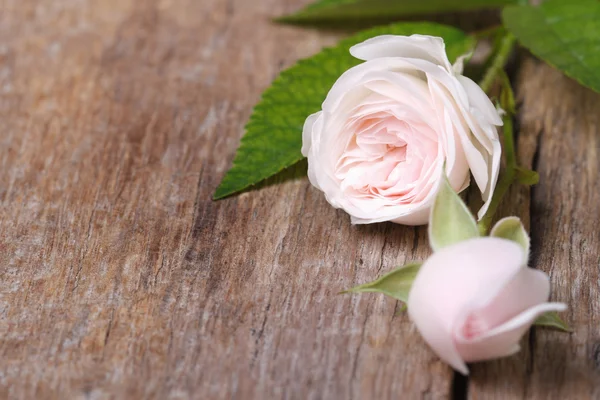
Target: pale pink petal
point(528, 288)
point(493, 171)
point(307, 133)
point(457, 166)
point(434, 331)
point(471, 272)
point(402, 88)
point(423, 47)
point(388, 126)
point(503, 340)
point(459, 64)
point(483, 164)
point(478, 99)
point(412, 214)
point(418, 216)
point(355, 78)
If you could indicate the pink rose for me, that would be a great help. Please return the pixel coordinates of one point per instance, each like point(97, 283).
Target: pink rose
point(474, 300)
point(390, 124)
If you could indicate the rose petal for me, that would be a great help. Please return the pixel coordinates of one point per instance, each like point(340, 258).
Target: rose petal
point(478, 164)
point(307, 133)
point(423, 47)
point(406, 95)
point(527, 288)
point(355, 78)
point(478, 99)
point(455, 276)
point(503, 340)
point(493, 171)
point(434, 331)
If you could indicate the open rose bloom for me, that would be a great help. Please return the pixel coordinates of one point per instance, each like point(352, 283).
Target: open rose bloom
point(390, 124)
point(474, 300)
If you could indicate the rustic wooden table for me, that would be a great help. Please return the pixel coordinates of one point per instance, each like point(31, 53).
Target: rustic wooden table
point(121, 278)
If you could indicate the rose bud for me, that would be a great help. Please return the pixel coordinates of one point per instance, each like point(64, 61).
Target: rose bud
point(389, 125)
point(474, 300)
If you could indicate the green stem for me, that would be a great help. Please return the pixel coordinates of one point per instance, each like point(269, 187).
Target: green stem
point(508, 178)
point(500, 58)
point(495, 70)
point(488, 32)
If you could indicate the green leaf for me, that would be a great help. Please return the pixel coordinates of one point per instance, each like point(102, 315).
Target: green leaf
point(565, 34)
point(527, 176)
point(361, 12)
point(450, 220)
point(395, 284)
point(552, 320)
point(512, 228)
point(273, 136)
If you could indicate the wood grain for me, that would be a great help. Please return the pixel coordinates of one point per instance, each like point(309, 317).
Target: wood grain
point(559, 135)
point(120, 277)
point(505, 378)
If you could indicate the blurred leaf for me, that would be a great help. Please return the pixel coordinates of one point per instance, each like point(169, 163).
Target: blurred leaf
point(273, 136)
point(395, 284)
point(565, 34)
point(450, 221)
point(552, 320)
point(512, 228)
point(337, 12)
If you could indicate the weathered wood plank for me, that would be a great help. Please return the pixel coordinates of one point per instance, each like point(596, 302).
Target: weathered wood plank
point(506, 378)
point(119, 276)
point(559, 133)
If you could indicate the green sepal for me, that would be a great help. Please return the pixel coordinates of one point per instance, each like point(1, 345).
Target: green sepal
point(450, 220)
point(526, 176)
point(511, 228)
point(395, 284)
point(552, 320)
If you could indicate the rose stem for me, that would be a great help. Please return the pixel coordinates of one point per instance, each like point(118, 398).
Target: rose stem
point(495, 70)
point(500, 58)
point(508, 177)
point(488, 32)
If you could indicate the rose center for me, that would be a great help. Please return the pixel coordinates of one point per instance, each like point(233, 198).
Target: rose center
point(387, 154)
point(475, 325)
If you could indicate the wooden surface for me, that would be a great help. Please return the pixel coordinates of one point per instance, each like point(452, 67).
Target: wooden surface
point(560, 137)
point(121, 278)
